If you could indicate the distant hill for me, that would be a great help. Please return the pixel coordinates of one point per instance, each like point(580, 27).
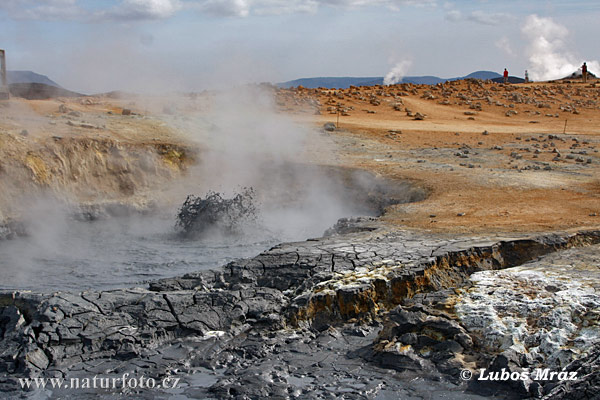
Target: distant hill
point(511, 79)
point(39, 91)
point(346, 82)
point(332, 82)
point(422, 80)
point(29, 77)
point(485, 75)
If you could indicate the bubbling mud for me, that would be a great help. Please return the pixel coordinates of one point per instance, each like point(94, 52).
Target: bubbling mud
point(73, 251)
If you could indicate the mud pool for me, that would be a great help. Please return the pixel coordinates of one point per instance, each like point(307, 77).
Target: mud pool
point(115, 253)
point(60, 252)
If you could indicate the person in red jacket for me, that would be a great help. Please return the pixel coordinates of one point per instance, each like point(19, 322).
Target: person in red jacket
point(505, 75)
point(584, 72)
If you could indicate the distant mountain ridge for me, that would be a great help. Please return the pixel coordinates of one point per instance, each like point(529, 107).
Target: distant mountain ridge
point(346, 82)
point(39, 91)
point(29, 77)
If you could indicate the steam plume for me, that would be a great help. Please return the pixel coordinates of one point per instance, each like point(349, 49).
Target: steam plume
point(548, 52)
point(247, 143)
point(397, 73)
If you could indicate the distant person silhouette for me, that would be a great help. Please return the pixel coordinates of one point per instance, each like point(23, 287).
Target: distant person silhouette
point(505, 75)
point(584, 72)
point(526, 76)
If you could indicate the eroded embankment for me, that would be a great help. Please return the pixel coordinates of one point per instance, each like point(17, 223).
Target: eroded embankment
point(94, 173)
point(377, 283)
point(318, 283)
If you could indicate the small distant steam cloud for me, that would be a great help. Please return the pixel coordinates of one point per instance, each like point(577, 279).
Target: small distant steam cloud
point(454, 15)
point(504, 44)
point(397, 73)
point(488, 19)
point(548, 54)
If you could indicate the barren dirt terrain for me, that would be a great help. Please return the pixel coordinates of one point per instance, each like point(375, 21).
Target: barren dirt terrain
point(495, 157)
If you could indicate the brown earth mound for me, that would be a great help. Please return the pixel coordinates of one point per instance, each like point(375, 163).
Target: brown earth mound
point(495, 157)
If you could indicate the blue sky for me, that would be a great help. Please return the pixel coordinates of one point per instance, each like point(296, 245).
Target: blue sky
point(147, 45)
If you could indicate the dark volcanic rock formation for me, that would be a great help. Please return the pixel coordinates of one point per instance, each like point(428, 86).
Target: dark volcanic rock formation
point(586, 386)
point(269, 319)
point(420, 338)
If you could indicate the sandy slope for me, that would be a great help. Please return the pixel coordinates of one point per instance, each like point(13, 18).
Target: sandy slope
point(507, 179)
point(83, 150)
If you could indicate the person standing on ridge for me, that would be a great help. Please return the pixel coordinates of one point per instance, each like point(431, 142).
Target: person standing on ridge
point(526, 76)
point(584, 72)
point(505, 75)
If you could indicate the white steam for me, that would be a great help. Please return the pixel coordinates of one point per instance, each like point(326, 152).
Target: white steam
point(397, 73)
point(242, 140)
point(548, 53)
point(504, 44)
point(246, 143)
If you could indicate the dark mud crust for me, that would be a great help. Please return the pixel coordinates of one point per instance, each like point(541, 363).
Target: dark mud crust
point(275, 326)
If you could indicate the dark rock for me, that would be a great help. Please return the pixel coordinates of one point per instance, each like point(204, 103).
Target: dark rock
point(232, 319)
point(351, 225)
point(586, 382)
point(421, 338)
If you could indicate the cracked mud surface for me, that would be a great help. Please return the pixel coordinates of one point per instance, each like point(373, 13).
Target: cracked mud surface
point(300, 320)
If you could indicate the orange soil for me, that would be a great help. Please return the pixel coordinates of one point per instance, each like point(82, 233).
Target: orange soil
point(493, 191)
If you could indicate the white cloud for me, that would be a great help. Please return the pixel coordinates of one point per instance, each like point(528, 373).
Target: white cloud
point(227, 8)
point(141, 10)
point(244, 8)
point(42, 9)
point(548, 52)
point(478, 16)
point(161, 9)
point(74, 9)
point(453, 15)
point(482, 17)
point(275, 7)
